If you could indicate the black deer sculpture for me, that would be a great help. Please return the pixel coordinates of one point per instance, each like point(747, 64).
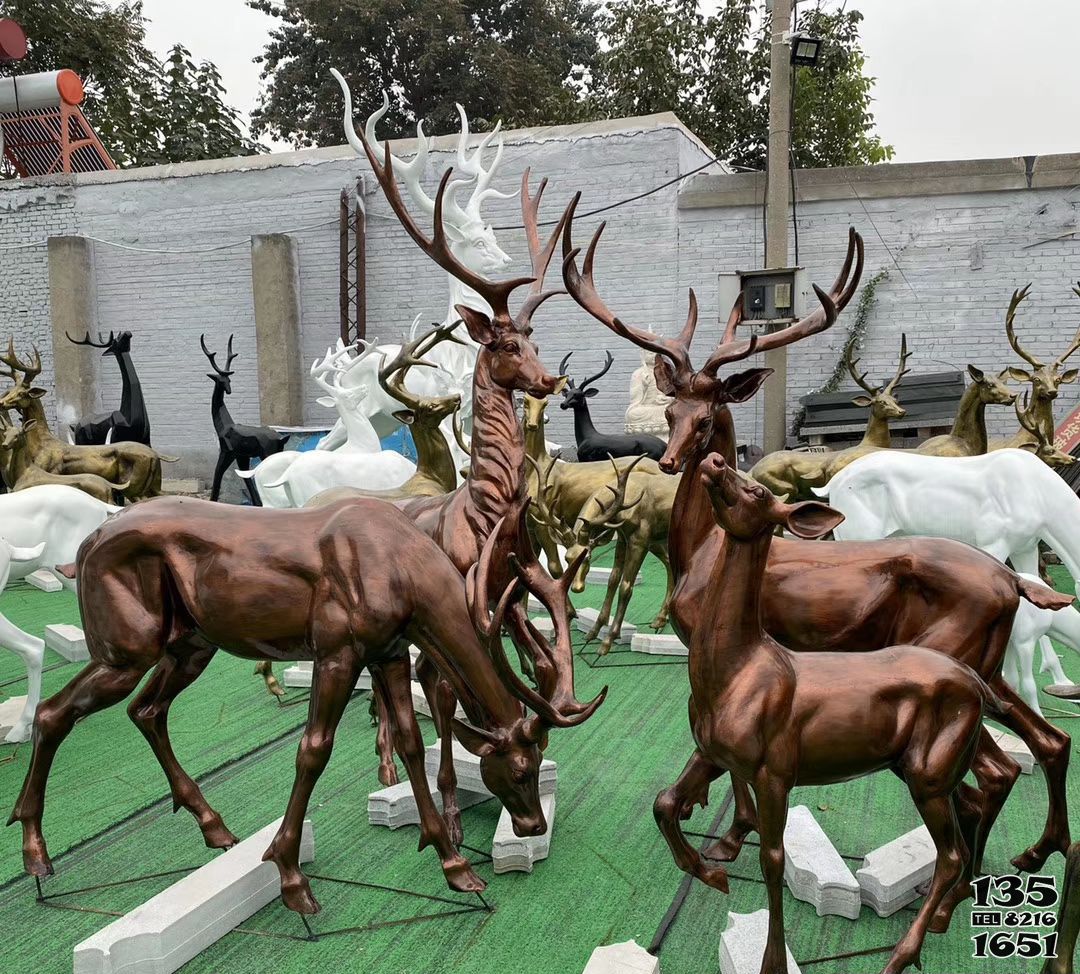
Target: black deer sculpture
point(591, 443)
point(129, 423)
point(236, 442)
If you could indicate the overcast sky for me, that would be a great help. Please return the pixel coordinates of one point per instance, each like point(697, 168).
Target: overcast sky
point(957, 79)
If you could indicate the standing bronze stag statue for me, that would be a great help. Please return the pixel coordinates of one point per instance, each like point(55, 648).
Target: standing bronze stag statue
point(939, 594)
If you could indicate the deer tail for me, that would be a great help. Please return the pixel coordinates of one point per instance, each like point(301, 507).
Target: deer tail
point(1039, 595)
point(248, 474)
point(26, 554)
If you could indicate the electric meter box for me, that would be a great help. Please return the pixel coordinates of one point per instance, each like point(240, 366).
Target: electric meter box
point(774, 296)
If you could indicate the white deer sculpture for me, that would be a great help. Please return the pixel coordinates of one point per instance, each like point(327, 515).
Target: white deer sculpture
point(1004, 502)
point(40, 527)
point(472, 241)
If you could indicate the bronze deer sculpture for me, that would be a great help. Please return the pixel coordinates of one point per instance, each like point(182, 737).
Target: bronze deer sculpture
point(316, 593)
point(791, 474)
point(134, 464)
point(461, 521)
point(1035, 438)
point(967, 438)
point(1045, 380)
point(927, 592)
point(780, 719)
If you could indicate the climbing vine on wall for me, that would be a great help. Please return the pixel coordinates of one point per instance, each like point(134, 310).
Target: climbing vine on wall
point(853, 341)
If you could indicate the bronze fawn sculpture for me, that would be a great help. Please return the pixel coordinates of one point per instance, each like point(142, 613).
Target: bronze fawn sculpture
point(134, 464)
point(780, 719)
point(928, 592)
point(791, 473)
point(168, 583)
point(128, 424)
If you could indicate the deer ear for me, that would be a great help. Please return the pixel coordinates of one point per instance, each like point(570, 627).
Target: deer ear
point(862, 401)
point(1070, 375)
point(37, 392)
point(477, 324)
point(1017, 375)
point(977, 374)
point(811, 519)
point(744, 385)
point(589, 393)
point(406, 416)
point(475, 740)
point(664, 375)
point(1030, 447)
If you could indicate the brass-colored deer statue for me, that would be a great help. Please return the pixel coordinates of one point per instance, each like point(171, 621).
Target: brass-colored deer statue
point(133, 464)
point(967, 438)
point(1036, 440)
point(791, 474)
point(1045, 380)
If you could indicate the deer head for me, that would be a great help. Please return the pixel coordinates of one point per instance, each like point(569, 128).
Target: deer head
point(513, 361)
point(533, 417)
point(1045, 379)
point(992, 388)
point(1045, 449)
point(430, 410)
point(338, 365)
point(115, 345)
point(700, 396)
point(881, 400)
point(574, 397)
point(23, 394)
point(14, 437)
point(221, 377)
point(746, 510)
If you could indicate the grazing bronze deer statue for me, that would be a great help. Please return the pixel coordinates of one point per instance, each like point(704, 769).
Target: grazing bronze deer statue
point(792, 473)
point(780, 719)
point(128, 424)
point(1036, 441)
point(134, 464)
point(927, 592)
point(315, 593)
point(1046, 381)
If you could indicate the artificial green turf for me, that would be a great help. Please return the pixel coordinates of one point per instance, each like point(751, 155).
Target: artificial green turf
point(610, 876)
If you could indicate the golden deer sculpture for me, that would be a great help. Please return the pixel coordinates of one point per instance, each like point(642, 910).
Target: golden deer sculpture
point(791, 473)
point(967, 438)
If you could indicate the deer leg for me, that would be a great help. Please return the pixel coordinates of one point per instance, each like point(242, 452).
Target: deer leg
point(635, 555)
point(730, 844)
point(332, 684)
point(31, 651)
point(1068, 926)
point(443, 703)
point(1051, 749)
point(674, 804)
point(149, 711)
point(772, 803)
point(612, 588)
point(98, 686)
point(1051, 664)
point(265, 669)
point(661, 620)
point(459, 874)
point(224, 461)
point(384, 736)
point(244, 463)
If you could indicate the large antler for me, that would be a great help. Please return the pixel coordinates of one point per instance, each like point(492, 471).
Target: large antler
point(340, 363)
point(540, 509)
point(1060, 360)
point(392, 374)
point(611, 513)
point(860, 378)
point(582, 289)
point(539, 256)
point(901, 368)
point(473, 168)
point(88, 341)
point(599, 375)
point(15, 366)
point(1018, 297)
point(212, 356)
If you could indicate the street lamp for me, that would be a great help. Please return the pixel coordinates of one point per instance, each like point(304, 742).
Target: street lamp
point(805, 50)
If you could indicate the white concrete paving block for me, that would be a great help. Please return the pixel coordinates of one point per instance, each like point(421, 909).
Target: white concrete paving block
point(742, 945)
point(586, 619)
point(814, 871)
point(395, 807)
point(1014, 747)
point(420, 703)
point(176, 925)
point(10, 712)
point(299, 675)
point(891, 875)
point(544, 625)
point(68, 641)
point(601, 576)
point(628, 957)
point(45, 580)
point(467, 768)
point(658, 644)
point(513, 853)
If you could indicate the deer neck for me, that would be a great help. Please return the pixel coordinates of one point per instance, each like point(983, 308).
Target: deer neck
point(692, 521)
point(970, 422)
point(13, 463)
point(536, 443)
point(131, 388)
point(877, 431)
point(730, 636)
point(583, 424)
point(496, 479)
point(433, 457)
point(223, 420)
point(40, 434)
point(360, 434)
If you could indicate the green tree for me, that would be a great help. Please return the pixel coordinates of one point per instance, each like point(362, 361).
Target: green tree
point(132, 99)
point(524, 61)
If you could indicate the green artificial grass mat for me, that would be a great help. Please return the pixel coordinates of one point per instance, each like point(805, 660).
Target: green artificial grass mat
point(609, 878)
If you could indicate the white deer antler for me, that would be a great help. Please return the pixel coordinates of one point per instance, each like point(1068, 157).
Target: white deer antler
point(473, 167)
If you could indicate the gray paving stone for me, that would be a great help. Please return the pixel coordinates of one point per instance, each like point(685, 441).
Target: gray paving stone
point(658, 644)
point(814, 871)
point(742, 945)
point(180, 922)
point(513, 853)
point(395, 807)
point(45, 580)
point(298, 676)
point(68, 641)
point(891, 875)
point(10, 712)
point(586, 619)
point(601, 576)
point(628, 957)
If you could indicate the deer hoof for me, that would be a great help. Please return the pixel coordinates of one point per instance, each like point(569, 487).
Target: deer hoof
point(297, 896)
point(217, 836)
point(460, 876)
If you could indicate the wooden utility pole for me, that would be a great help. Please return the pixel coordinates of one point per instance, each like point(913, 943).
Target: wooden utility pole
point(777, 203)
